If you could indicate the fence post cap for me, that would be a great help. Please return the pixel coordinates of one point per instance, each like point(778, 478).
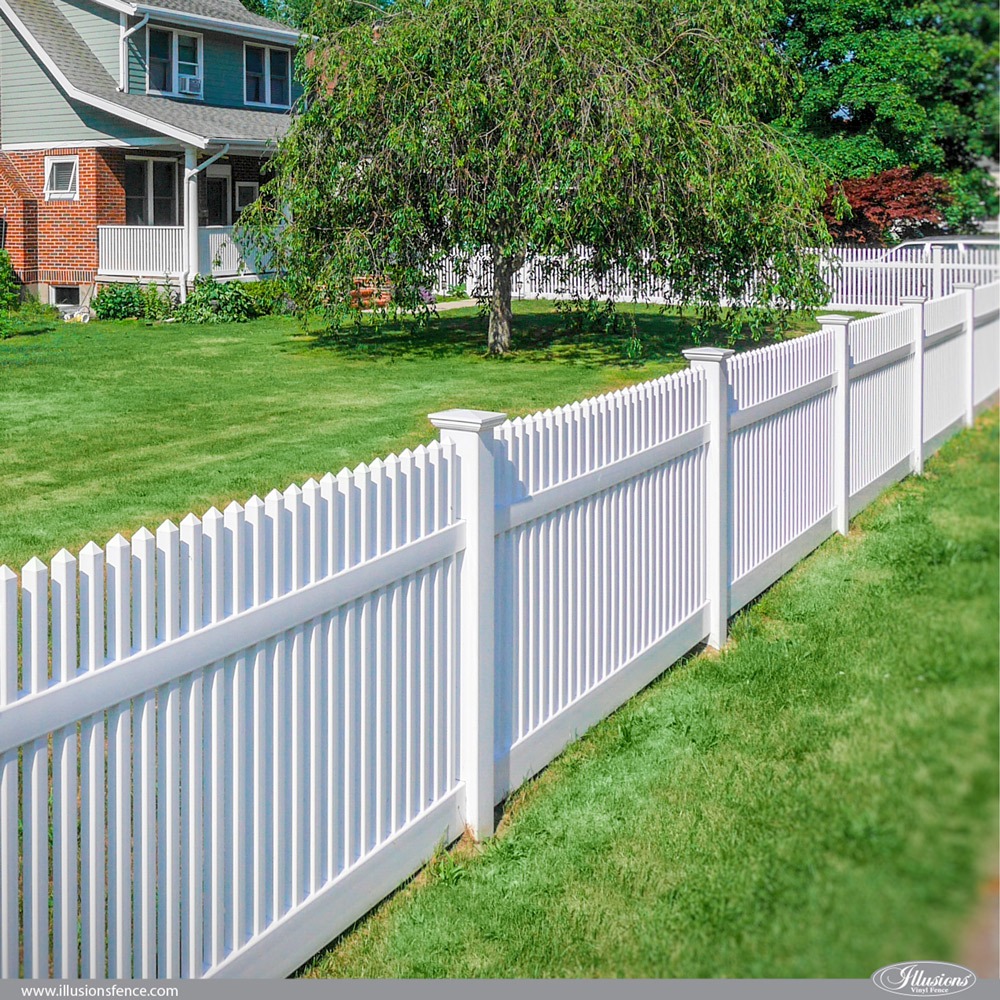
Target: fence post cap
point(716, 355)
point(912, 300)
point(834, 319)
point(965, 285)
point(476, 421)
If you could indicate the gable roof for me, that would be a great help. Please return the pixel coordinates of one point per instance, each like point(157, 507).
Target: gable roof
point(219, 15)
point(230, 11)
point(80, 74)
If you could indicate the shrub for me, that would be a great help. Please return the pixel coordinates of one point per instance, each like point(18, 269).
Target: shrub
point(270, 297)
point(10, 288)
point(157, 303)
point(211, 301)
point(119, 302)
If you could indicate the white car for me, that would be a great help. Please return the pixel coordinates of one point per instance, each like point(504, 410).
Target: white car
point(911, 251)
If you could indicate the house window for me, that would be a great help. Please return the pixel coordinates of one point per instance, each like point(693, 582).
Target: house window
point(62, 178)
point(66, 295)
point(267, 76)
point(246, 195)
point(150, 192)
point(173, 63)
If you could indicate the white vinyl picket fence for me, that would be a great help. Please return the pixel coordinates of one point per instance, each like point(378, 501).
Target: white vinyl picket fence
point(859, 277)
point(243, 731)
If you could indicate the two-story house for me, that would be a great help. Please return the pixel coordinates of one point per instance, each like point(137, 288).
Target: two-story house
point(132, 136)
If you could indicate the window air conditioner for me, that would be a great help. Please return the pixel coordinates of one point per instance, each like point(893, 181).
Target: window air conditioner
point(189, 85)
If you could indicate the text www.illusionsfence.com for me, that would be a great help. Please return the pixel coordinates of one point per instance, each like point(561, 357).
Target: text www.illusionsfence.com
point(113, 990)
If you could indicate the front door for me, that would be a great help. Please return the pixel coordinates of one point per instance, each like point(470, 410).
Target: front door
point(218, 201)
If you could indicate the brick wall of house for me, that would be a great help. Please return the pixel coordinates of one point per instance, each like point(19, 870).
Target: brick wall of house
point(55, 242)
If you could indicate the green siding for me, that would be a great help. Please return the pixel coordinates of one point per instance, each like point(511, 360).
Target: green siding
point(34, 110)
point(223, 67)
point(98, 27)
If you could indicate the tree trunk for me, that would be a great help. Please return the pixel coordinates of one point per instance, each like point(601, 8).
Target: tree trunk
point(504, 269)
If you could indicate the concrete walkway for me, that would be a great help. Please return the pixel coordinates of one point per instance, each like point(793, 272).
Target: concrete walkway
point(457, 304)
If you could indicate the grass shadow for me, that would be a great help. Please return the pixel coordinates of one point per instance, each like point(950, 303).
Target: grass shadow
point(540, 334)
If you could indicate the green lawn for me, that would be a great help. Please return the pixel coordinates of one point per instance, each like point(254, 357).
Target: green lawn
point(111, 426)
point(817, 801)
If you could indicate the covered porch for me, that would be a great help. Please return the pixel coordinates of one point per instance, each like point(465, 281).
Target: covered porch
point(181, 218)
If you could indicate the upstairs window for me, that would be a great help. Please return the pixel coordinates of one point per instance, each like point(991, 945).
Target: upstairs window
point(174, 63)
point(62, 178)
point(267, 76)
point(161, 60)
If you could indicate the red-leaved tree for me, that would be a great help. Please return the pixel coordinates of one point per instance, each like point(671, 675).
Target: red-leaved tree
point(897, 203)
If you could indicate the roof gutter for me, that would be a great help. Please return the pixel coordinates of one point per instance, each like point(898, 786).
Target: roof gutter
point(285, 36)
point(123, 54)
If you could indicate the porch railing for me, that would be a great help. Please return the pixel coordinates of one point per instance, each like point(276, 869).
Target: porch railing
point(221, 254)
point(156, 251)
point(140, 251)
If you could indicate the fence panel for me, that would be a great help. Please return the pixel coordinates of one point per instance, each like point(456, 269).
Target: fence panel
point(781, 438)
point(986, 370)
point(600, 559)
point(945, 368)
point(881, 403)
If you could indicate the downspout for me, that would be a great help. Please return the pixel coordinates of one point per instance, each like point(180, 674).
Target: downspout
point(123, 54)
point(191, 171)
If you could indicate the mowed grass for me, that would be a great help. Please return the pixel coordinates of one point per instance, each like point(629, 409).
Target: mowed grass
point(111, 426)
point(817, 801)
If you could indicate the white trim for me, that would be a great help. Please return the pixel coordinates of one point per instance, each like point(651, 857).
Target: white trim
point(116, 110)
point(72, 195)
point(149, 188)
point(21, 147)
point(221, 171)
point(118, 5)
point(268, 49)
point(175, 73)
point(286, 36)
point(236, 195)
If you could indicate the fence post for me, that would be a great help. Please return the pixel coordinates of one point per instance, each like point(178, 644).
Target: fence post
point(839, 327)
point(937, 273)
point(472, 434)
point(917, 459)
point(713, 362)
point(969, 322)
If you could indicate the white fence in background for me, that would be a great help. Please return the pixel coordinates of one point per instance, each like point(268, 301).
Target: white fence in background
point(243, 732)
point(870, 279)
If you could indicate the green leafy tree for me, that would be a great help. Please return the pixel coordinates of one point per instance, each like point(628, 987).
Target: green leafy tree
point(891, 83)
point(530, 127)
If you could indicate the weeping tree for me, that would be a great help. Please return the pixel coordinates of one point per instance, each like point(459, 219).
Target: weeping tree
point(529, 128)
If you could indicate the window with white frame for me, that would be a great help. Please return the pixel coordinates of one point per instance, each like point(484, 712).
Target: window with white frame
point(62, 178)
point(150, 192)
point(246, 195)
point(173, 63)
point(267, 76)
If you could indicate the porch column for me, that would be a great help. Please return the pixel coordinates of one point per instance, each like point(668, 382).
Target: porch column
point(191, 210)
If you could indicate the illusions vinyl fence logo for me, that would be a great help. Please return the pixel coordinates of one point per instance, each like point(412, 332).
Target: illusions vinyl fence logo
point(924, 979)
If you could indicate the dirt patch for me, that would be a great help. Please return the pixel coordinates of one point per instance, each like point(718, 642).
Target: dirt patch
point(981, 948)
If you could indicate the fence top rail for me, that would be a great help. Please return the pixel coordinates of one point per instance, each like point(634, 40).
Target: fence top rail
point(132, 596)
point(140, 229)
